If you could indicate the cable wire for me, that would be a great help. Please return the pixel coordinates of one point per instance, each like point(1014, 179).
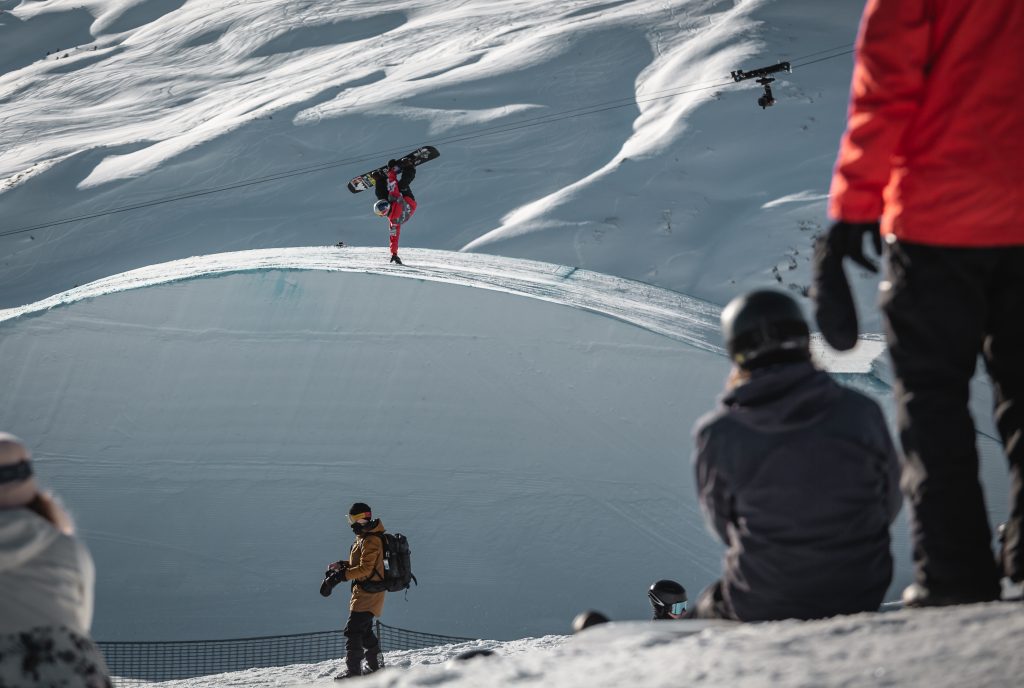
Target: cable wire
point(492, 130)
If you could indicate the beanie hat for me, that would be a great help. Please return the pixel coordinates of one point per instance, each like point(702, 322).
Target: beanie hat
point(360, 508)
point(17, 486)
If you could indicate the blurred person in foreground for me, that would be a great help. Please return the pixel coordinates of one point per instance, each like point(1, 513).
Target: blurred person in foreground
point(932, 160)
point(796, 474)
point(46, 585)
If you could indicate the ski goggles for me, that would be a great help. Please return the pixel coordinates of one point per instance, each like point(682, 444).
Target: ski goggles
point(16, 472)
point(678, 608)
point(352, 518)
point(675, 608)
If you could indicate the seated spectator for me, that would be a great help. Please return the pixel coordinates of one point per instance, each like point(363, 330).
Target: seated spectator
point(46, 585)
point(796, 474)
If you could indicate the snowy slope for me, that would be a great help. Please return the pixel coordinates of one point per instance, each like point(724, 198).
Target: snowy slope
point(603, 135)
point(211, 432)
point(967, 646)
point(209, 419)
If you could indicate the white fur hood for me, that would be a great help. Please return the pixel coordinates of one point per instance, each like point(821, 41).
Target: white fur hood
point(23, 537)
point(46, 577)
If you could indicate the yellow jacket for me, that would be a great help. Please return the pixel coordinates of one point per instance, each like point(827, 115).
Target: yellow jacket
point(364, 560)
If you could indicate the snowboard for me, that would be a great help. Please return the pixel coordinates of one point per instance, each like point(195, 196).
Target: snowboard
point(417, 157)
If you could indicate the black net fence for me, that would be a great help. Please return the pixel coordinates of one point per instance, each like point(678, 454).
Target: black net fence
point(137, 662)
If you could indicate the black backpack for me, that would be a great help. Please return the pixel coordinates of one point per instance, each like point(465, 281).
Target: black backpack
point(397, 565)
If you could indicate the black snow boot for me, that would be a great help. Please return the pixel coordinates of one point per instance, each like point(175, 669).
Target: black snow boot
point(917, 595)
point(348, 674)
point(353, 669)
point(395, 258)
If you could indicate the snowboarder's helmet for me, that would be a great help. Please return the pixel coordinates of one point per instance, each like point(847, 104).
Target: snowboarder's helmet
point(765, 327)
point(381, 208)
point(667, 596)
point(587, 619)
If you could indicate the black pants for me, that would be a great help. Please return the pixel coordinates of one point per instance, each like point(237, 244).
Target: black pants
point(380, 184)
point(361, 642)
point(711, 604)
point(944, 307)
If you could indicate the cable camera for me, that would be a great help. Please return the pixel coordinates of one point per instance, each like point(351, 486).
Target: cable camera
point(767, 99)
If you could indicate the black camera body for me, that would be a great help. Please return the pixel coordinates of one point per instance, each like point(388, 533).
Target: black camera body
point(331, 579)
point(766, 100)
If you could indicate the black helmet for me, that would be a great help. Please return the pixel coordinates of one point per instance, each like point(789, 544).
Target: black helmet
point(665, 593)
point(587, 619)
point(765, 327)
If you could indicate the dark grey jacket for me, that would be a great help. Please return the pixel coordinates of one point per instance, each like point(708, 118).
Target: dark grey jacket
point(799, 477)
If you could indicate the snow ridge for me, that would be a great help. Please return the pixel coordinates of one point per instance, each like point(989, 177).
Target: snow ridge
point(658, 310)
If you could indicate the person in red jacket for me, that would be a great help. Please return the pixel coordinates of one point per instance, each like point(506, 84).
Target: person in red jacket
point(932, 160)
point(395, 200)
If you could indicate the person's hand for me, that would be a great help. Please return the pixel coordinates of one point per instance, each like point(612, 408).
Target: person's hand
point(834, 309)
point(336, 566)
point(846, 240)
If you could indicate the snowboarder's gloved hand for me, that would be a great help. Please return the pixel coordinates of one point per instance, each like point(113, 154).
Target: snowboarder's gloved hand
point(834, 307)
point(847, 240)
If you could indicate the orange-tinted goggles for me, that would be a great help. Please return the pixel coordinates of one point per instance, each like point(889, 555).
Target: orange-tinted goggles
point(352, 518)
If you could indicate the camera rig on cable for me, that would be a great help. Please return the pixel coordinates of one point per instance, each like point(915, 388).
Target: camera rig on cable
point(766, 100)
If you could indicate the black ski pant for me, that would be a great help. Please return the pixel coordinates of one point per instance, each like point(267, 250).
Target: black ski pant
point(380, 184)
point(943, 307)
point(361, 641)
point(711, 604)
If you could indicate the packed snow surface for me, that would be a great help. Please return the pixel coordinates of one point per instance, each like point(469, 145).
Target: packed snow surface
point(966, 646)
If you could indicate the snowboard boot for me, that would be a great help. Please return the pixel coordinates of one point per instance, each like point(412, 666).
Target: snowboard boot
point(354, 668)
point(373, 661)
point(917, 595)
point(395, 258)
point(347, 674)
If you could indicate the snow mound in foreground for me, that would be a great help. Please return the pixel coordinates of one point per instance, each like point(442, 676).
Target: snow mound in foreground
point(975, 645)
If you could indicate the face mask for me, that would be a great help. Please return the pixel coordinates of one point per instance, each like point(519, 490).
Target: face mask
point(360, 528)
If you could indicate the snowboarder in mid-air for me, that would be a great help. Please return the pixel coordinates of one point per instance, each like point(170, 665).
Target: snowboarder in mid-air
point(395, 200)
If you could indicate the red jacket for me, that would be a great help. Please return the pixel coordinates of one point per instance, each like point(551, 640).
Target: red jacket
point(934, 143)
point(402, 208)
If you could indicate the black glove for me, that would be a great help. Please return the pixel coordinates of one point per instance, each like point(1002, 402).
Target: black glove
point(834, 307)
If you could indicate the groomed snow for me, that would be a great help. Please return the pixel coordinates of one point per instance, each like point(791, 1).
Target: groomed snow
point(966, 646)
